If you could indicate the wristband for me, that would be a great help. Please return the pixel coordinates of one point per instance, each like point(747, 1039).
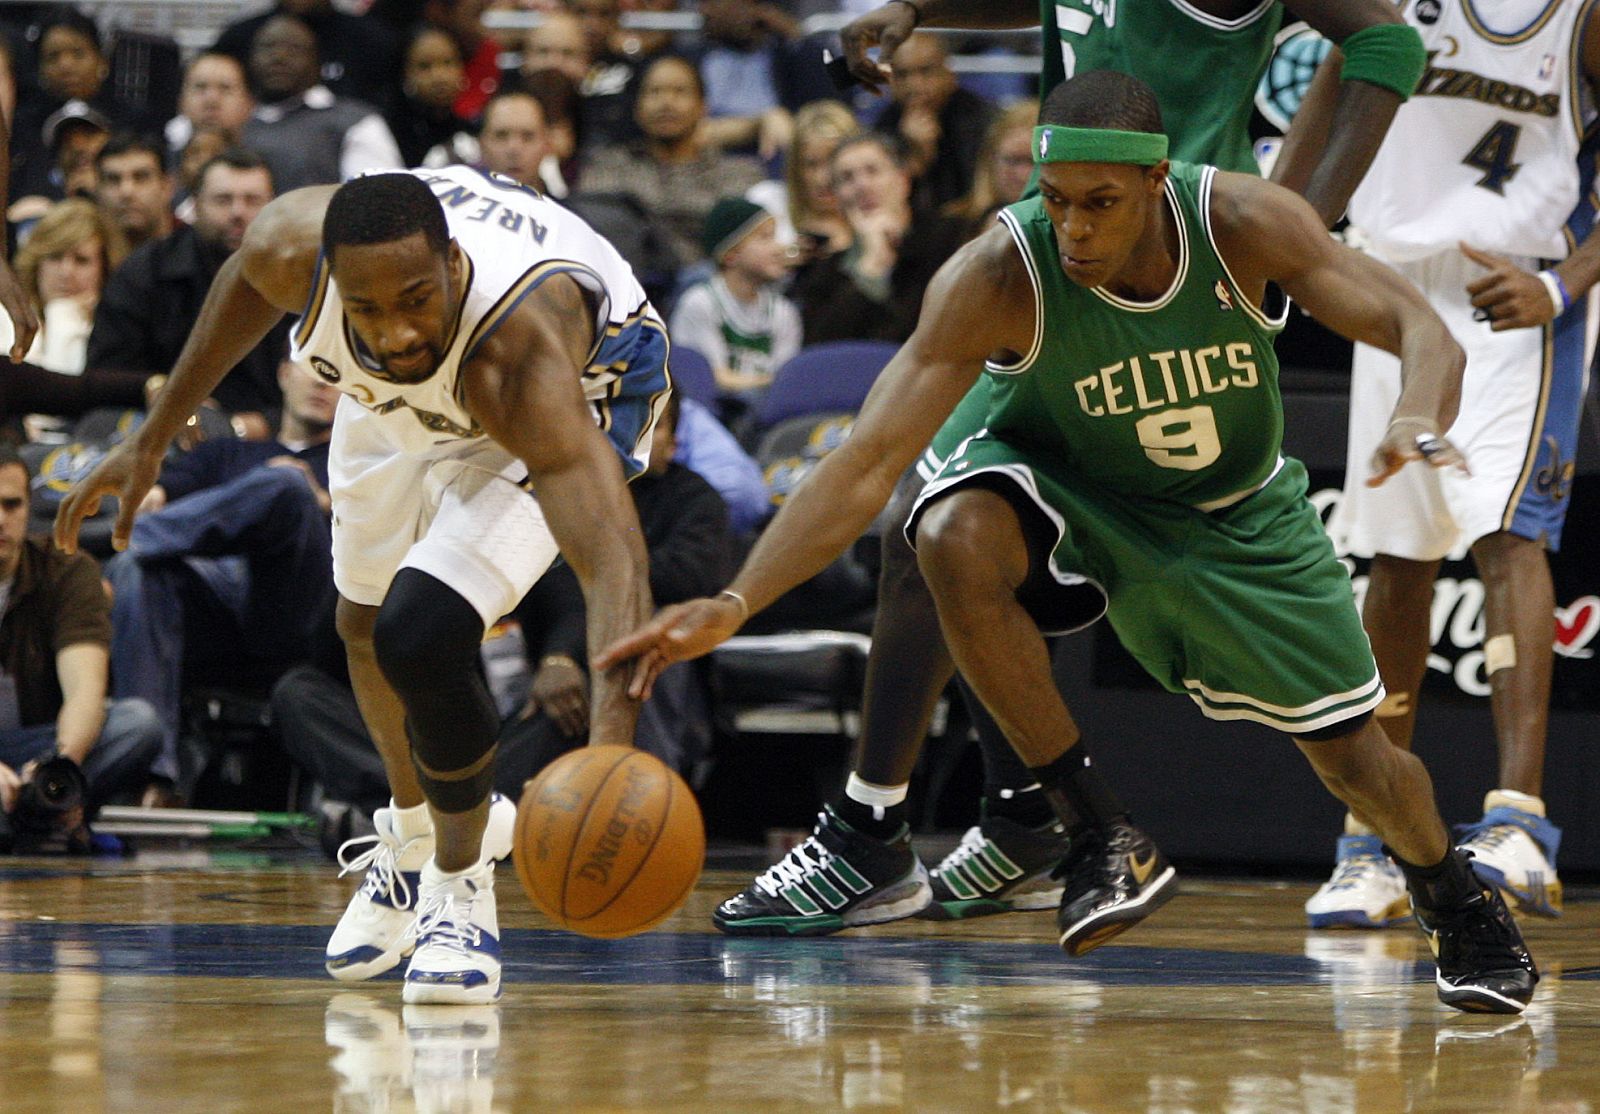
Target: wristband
point(1559, 297)
point(916, 12)
point(738, 600)
point(1388, 55)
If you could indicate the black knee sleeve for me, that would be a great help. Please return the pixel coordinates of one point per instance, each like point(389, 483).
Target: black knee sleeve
point(426, 639)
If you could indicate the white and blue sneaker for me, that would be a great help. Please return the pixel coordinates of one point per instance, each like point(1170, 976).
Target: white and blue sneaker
point(374, 934)
point(457, 935)
point(1366, 891)
point(1514, 850)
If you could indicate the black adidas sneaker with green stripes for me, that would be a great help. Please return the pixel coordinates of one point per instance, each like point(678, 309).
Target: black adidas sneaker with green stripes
point(838, 878)
point(999, 866)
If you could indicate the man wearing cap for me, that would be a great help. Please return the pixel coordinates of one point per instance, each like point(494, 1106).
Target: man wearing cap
point(1130, 465)
point(737, 319)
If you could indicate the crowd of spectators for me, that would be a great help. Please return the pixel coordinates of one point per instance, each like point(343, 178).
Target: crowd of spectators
point(764, 211)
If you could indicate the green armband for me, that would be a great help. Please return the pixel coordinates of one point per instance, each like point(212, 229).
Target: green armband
point(1388, 55)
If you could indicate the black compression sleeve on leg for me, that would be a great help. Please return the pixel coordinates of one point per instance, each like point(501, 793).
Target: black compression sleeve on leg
point(1077, 792)
point(427, 639)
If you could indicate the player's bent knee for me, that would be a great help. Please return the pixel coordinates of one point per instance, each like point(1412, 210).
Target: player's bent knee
point(459, 788)
point(425, 633)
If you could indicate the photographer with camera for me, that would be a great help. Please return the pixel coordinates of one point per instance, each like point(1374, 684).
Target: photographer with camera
point(64, 748)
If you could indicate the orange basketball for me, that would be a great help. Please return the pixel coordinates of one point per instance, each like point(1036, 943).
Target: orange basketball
point(609, 841)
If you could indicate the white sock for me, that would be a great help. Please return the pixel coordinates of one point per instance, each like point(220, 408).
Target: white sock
point(1354, 827)
point(879, 798)
point(409, 823)
point(1526, 802)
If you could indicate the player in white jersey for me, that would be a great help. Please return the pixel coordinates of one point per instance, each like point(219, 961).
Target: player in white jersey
point(502, 373)
point(1481, 196)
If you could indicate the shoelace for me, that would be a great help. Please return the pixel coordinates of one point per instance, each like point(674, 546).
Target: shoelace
point(1351, 872)
point(794, 867)
point(438, 923)
point(1489, 837)
point(971, 846)
point(382, 864)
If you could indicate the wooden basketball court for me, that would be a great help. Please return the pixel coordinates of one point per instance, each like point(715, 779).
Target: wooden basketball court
point(192, 981)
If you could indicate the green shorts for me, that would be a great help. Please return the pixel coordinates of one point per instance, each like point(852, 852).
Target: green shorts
point(968, 418)
point(1246, 609)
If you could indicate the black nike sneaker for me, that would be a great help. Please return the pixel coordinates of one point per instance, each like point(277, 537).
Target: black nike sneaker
point(999, 866)
point(838, 878)
point(1115, 877)
point(1483, 965)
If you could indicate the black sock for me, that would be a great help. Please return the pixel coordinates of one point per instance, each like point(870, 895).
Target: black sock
point(1028, 807)
point(1445, 885)
point(1077, 793)
point(862, 817)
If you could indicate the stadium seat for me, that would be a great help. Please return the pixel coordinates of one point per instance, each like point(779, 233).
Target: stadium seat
point(835, 376)
point(692, 375)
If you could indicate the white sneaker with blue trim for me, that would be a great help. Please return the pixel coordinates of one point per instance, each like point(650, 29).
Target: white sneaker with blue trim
point(457, 957)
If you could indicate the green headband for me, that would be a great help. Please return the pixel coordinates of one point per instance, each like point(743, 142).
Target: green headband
point(1054, 143)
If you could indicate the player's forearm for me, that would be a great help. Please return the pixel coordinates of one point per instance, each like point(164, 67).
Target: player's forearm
point(1581, 270)
point(829, 510)
point(993, 14)
point(1431, 364)
point(233, 320)
point(1359, 123)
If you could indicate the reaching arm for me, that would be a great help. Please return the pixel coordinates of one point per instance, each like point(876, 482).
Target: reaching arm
point(1269, 234)
point(523, 388)
point(1341, 124)
point(268, 276)
point(979, 303)
point(82, 671)
point(889, 26)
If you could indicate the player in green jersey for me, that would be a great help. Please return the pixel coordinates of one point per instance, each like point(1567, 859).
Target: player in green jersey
point(1203, 59)
point(1131, 457)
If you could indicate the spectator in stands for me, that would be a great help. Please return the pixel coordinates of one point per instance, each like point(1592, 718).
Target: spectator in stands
point(1005, 166)
point(215, 94)
point(72, 71)
point(63, 267)
point(462, 20)
point(560, 101)
point(807, 211)
point(672, 172)
point(72, 138)
point(134, 187)
point(359, 56)
point(738, 319)
point(610, 89)
point(53, 650)
point(229, 568)
point(758, 70)
point(558, 43)
point(425, 124)
point(513, 138)
point(307, 134)
point(872, 290)
point(152, 301)
point(940, 124)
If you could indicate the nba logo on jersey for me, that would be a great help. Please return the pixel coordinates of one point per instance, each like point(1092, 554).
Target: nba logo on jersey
point(1428, 11)
point(1224, 297)
point(1044, 143)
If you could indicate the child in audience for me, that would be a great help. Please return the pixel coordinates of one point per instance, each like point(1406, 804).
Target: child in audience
point(738, 319)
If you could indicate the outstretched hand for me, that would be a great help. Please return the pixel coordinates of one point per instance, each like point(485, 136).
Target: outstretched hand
point(127, 473)
point(677, 633)
point(18, 307)
point(885, 28)
point(1409, 439)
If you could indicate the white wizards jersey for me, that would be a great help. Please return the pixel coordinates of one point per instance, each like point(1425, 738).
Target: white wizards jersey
point(1488, 148)
point(513, 239)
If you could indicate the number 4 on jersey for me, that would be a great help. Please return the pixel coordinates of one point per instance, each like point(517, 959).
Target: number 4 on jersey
point(1493, 155)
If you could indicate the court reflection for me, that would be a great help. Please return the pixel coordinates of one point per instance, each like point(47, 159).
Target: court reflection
point(431, 1059)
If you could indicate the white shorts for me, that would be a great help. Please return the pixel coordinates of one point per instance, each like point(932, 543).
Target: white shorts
point(1518, 426)
point(461, 517)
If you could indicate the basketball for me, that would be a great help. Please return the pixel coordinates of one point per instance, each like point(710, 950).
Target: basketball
point(609, 841)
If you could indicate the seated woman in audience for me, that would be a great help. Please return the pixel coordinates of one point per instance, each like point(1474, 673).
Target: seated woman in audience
point(672, 172)
point(561, 100)
point(63, 267)
point(1005, 163)
point(872, 289)
point(424, 123)
point(807, 211)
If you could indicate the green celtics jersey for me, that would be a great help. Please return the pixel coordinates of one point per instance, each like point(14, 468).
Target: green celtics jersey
point(1204, 70)
point(1174, 399)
